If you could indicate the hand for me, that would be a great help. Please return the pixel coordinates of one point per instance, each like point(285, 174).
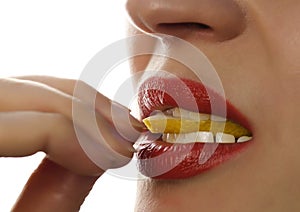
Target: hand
point(36, 115)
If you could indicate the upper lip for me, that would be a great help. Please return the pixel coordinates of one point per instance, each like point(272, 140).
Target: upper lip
point(160, 159)
point(157, 93)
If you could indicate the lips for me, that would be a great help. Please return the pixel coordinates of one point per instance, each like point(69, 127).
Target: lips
point(163, 160)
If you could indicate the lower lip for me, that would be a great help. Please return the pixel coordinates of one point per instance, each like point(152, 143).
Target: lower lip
point(162, 160)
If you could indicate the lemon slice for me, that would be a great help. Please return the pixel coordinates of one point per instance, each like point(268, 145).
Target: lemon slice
point(169, 124)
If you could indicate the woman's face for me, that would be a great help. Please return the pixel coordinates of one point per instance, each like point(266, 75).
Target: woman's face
point(254, 46)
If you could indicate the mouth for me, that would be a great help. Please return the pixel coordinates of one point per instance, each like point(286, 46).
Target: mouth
point(186, 137)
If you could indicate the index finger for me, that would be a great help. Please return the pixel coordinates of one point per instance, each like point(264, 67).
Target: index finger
point(102, 103)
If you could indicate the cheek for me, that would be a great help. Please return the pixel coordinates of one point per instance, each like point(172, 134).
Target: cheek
point(286, 78)
point(277, 89)
point(278, 24)
point(282, 91)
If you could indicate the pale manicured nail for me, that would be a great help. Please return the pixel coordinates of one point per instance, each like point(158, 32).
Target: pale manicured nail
point(128, 126)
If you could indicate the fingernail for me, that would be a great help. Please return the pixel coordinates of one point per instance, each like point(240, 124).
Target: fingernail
point(128, 126)
point(137, 124)
point(134, 122)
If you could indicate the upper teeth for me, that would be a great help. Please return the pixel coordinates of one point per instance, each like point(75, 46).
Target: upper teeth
point(181, 113)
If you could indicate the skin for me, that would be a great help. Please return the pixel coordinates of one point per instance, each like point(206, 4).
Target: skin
point(255, 49)
point(62, 181)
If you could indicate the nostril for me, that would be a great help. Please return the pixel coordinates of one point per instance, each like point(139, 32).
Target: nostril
point(187, 25)
point(198, 26)
point(185, 29)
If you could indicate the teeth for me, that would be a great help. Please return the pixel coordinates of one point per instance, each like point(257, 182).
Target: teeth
point(176, 112)
point(181, 126)
point(203, 137)
point(217, 118)
point(225, 138)
point(180, 138)
point(244, 139)
point(187, 137)
point(199, 137)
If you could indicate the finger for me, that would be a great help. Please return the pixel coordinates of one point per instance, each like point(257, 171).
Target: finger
point(53, 188)
point(89, 94)
point(62, 84)
point(25, 133)
point(112, 146)
point(32, 96)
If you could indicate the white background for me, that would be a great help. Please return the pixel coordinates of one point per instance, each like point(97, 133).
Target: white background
point(58, 38)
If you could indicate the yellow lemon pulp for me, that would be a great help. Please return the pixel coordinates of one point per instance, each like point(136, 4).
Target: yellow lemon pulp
point(167, 124)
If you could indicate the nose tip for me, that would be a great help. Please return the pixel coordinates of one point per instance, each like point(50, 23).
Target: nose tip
point(205, 19)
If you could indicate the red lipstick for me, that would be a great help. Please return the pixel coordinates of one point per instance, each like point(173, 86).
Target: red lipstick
point(162, 160)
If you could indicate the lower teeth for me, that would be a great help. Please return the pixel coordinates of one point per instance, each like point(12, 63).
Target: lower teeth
point(203, 137)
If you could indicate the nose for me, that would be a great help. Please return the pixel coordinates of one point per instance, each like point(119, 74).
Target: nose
point(211, 20)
